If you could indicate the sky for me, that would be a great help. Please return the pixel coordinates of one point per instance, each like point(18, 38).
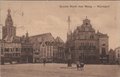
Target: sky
point(37, 17)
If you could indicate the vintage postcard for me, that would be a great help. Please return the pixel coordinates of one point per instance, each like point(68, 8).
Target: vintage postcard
point(60, 38)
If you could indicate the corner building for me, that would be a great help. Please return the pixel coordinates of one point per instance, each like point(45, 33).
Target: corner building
point(86, 45)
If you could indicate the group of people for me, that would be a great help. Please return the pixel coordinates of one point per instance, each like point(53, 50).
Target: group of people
point(80, 65)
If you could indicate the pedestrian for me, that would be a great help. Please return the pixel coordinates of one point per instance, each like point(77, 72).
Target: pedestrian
point(77, 65)
point(82, 66)
point(44, 62)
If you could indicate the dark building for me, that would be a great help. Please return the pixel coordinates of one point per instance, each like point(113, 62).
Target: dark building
point(86, 45)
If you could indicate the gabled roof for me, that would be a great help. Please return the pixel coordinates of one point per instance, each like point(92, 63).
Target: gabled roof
point(58, 39)
point(42, 37)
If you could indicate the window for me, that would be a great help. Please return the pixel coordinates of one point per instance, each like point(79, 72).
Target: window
point(103, 51)
point(118, 55)
point(103, 44)
point(86, 23)
point(80, 48)
point(43, 45)
point(7, 49)
point(91, 37)
point(17, 49)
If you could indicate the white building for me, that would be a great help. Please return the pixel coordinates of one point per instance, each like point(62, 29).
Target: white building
point(117, 51)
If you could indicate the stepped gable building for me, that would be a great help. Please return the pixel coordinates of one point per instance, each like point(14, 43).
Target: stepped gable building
point(43, 47)
point(87, 45)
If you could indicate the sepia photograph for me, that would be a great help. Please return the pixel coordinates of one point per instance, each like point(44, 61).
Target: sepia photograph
point(59, 38)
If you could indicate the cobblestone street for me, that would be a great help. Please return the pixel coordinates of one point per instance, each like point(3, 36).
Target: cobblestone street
point(58, 70)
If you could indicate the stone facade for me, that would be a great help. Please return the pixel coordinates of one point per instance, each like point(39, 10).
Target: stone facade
point(87, 45)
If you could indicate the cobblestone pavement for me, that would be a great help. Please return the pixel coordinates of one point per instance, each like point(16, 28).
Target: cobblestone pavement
point(58, 70)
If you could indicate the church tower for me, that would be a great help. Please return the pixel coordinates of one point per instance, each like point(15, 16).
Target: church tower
point(9, 31)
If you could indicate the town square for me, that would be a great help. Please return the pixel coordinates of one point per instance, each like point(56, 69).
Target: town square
point(58, 70)
point(51, 39)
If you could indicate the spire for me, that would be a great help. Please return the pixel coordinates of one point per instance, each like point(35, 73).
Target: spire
point(69, 22)
point(9, 21)
point(9, 11)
